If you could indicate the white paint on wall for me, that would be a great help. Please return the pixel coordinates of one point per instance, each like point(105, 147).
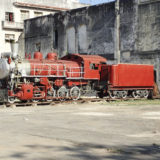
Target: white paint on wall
point(16, 27)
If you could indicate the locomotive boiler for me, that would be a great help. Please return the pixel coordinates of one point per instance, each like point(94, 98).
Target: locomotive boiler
point(39, 79)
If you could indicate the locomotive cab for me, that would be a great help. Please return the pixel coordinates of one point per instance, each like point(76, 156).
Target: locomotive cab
point(91, 65)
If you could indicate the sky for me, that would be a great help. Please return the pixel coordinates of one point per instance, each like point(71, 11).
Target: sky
point(95, 1)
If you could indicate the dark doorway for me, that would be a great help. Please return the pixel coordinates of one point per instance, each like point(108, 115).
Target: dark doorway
point(155, 76)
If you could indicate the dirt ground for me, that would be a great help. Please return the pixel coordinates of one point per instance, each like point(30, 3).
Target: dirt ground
point(127, 130)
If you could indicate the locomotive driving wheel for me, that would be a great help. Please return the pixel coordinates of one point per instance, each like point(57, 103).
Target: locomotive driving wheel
point(75, 93)
point(62, 93)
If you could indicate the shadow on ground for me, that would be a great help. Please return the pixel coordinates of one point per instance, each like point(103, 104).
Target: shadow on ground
point(85, 151)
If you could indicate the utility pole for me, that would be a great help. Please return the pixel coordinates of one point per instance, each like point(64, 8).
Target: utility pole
point(117, 32)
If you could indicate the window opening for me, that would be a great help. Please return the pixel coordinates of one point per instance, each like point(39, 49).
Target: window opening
point(24, 15)
point(93, 66)
point(9, 16)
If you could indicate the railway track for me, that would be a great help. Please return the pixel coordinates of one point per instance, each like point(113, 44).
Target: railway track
point(69, 101)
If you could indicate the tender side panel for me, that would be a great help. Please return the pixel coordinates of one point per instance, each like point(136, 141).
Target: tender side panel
point(132, 75)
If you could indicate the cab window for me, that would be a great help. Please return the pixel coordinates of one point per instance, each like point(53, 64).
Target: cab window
point(93, 66)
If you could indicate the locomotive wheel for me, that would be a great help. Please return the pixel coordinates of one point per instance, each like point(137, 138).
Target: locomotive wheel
point(145, 93)
point(124, 94)
point(100, 94)
point(62, 93)
point(11, 100)
point(35, 100)
point(112, 94)
point(51, 93)
point(135, 94)
point(75, 93)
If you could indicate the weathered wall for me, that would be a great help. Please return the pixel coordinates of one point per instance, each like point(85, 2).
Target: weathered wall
point(87, 30)
point(145, 36)
point(91, 30)
point(148, 34)
point(38, 35)
point(127, 25)
point(147, 48)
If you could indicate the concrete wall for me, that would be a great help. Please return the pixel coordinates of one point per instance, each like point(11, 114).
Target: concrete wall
point(148, 36)
point(87, 30)
point(144, 36)
point(91, 30)
point(39, 38)
point(148, 33)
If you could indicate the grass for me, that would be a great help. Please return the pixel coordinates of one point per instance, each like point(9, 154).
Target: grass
point(134, 102)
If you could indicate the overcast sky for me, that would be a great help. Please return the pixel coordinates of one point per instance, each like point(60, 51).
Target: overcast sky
point(94, 1)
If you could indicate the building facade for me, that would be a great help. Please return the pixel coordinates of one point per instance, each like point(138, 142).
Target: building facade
point(13, 14)
point(95, 30)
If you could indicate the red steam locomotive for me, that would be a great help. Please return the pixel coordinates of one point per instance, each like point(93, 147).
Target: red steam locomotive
point(73, 75)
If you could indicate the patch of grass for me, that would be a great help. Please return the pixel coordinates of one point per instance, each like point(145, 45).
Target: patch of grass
point(136, 102)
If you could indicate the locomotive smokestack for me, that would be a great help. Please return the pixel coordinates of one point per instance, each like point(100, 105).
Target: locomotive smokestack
point(14, 49)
